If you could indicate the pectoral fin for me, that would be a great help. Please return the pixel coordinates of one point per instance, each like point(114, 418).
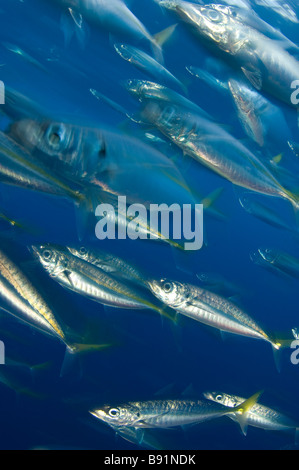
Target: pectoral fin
point(254, 76)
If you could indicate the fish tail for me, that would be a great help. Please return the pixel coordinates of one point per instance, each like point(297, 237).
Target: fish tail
point(159, 40)
point(278, 345)
point(294, 200)
point(243, 410)
point(85, 206)
point(74, 351)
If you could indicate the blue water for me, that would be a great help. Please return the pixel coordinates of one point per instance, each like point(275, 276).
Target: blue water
point(148, 355)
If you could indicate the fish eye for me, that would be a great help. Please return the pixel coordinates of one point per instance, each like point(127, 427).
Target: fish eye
point(47, 255)
point(219, 397)
point(55, 135)
point(214, 15)
point(167, 287)
point(114, 412)
point(83, 251)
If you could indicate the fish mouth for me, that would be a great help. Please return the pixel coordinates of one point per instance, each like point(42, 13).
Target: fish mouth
point(100, 414)
point(153, 285)
point(208, 396)
point(36, 250)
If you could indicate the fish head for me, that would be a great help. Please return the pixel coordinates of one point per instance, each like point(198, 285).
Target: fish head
point(124, 415)
point(81, 253)
point(222, 398)
point(171, 293)
point(142, 89)
point(51, 138)
point(124, 51)
point(267, 254)
point(210, 22)
point(79, 148)
point(175, 122)
point(50, 258)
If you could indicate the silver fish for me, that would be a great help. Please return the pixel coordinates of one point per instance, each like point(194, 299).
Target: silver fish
point(264, 62)
point(147, 64)
point(215, 148)
point(89, 280)
point(146, 91)
point(109, 263)
point(259, 416)
point(25, 302)
point(167, 413)
point(210, 309)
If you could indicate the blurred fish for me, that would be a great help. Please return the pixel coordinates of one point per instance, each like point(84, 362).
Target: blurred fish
point(209, 79)
point(260, 118)
point(259, 416)
point(277, 261)
point(148, 65)
point(168, 413)
point(24, 55)
point(107, 160)
point(211, 309)
point(89, 280)
point(284, 9)
point(19, 168)
point(265, 62)
point(246, 107)
point(111, 15)
point(256, 208)
point(214, 281)
point(215, 148)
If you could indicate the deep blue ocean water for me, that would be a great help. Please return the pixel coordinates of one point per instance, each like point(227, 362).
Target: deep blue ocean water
point(149, 355)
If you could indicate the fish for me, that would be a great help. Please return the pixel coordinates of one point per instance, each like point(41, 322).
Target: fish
point(285, 10)
point(219, 85)
point(24, 55)
point(257, 209)
point(103, 159)
point(164, 414)
point(147, 64)
point(111, 15)
point(25, 302)
point(215, 148)
point(259, 416)
point(89, 280)
point(19, 168)
point(277, 261)
point(265, 62)
point(109, 263)
point(146, 91)
point(259, 117)
point(214, 281)
point(20, 299)
point(250, 18)
point(212, 310)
